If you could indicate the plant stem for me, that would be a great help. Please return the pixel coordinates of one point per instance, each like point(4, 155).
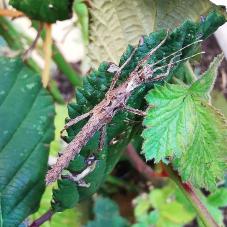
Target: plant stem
point(62, 64)
point(192, 196)
point(186, 188)
point(13, 38)
point(47, 55)
point(53, 88)
point(190, 76)
point(141, 166)
point(45, 217)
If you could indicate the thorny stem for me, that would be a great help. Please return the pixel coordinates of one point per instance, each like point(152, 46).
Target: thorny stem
point(192, 196)
point(44, 218)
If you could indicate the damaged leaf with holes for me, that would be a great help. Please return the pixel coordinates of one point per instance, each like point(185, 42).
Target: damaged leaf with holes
point(125, 126)
point(48, 11)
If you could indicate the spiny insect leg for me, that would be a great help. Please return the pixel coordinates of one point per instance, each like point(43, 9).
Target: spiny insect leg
point(102, 137)
point(164, 75)
point(135, 111)
point(171, 63)
point(74, 121)
point(118, 73)
point(144, 60)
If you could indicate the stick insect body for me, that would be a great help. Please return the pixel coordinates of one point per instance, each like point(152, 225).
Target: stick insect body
point(114, 101)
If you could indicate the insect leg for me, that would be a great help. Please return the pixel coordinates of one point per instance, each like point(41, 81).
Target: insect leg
point(74, 121)
point(152, 51)
point(118, 73)
point(102, 137)
point(135, 111)
point(164, 75)
point(171, 63)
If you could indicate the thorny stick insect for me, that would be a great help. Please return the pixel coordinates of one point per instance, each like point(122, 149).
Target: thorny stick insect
point(114, 101)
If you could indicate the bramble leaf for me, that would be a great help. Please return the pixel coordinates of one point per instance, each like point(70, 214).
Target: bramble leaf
point(45, 10)
point(184, 127)
point(26, 128)
point(124, 126)
point(204, 85)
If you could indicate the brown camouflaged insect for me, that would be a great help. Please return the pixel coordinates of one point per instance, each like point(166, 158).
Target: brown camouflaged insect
point(114, 101)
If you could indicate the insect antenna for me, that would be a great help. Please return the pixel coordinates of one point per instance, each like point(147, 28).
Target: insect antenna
point(157, 62)
point(173, 63)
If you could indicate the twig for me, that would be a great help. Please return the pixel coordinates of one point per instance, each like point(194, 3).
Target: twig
point(44, 218)
point(33, 45)
point(47, 55)
point(141, 166)
point(192, 196)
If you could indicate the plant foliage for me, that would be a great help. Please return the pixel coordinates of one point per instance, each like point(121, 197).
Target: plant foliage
point(26, 119)
point(169, 207)
point(184, 128)
point(45, 10)
point(107, 214)
point(129, 19)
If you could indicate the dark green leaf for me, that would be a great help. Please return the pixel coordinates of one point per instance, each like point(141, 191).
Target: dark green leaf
point(66, 195)
point(45, 10)
point(26, 119)
point(107, 214)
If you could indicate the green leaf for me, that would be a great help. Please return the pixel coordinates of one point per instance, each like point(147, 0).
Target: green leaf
point(169, 124)
point(218, 198)
point(45, 10)
point(213, 203)
point(82, 13)
point(185, 128)
point(124, 126)
point(107, 214)
point(66, 196)
point(204, 85)
point(176, 213)
point(128, 20)
point(59, 122)
point(219, 101)
point(26, 119)
point(168, 208)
